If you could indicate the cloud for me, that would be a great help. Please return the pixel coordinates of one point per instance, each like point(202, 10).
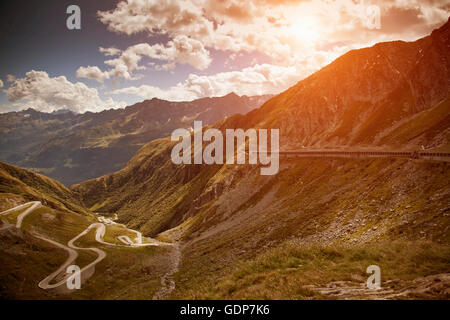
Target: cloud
point(159, 16)
point(255, 80)
point(41, 92)
point(285, 30)
point(110, 51)
point(185, 50)
point(93, 73)
point(1, 83)
point(298, 37)
point(181, 49)
point(10, 78)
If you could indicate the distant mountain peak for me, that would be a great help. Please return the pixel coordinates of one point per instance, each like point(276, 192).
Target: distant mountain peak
point(366, 96)
point(94, 143)
point(232, 94)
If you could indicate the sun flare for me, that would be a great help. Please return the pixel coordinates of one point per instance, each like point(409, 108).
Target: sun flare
point(305, 31)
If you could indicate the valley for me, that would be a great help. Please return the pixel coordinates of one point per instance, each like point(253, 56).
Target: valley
point(80, 249)
point(75, 147)
point(363, 180)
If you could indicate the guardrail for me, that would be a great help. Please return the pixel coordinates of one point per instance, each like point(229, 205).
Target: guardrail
point(367, 154)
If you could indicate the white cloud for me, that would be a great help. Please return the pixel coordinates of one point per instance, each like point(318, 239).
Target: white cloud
point(185, 50)
point(93, 73)
point(299, 36)
point(160, 16)
point(181, 49)
point(10, 78)
point(255, 80)
point(285, 30)
point(109, 51)
point(41, 92)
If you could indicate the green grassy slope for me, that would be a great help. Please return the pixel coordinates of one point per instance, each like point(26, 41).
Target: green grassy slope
point(126, 273)
point(322, 202)
point(150, 193)
point(298, 271)
point(26, 186)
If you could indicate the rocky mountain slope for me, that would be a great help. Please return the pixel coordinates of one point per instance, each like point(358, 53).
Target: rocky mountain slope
point(311, 230)
point(393, 96)
point(345, 105)
point(75, 147)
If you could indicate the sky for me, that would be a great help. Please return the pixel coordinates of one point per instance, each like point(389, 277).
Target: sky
point(131, 50)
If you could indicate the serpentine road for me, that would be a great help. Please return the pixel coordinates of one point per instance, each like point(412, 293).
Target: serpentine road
point(71, 248)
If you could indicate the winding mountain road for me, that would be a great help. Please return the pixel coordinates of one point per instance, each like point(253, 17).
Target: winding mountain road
point(71, 248)
point(34, 205)
point(126, 239)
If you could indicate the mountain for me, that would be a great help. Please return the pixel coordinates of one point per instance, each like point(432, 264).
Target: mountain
point(18, 186)
point(308, 232)
point(392, 96)
point(31, 253)
point(62, 111)
point(74, 147)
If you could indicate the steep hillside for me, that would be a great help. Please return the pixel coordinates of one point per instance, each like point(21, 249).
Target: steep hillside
point(32, 251)
point(150, 192)
point(365, 98)
point(393, 96)
point(72, 148)
point(19, 186)
point(355, 102)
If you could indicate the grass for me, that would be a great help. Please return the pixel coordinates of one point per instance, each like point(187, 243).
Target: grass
point(318, 198)
point(61, 227)
point(55, 224)
point(10, 200)
point(25, 261)
point(304, 199)
point(113, 231)
point(125, 272)
point(31, 187)
point(429, 122)
point(12, 216)
point(97, 206)
point(286, 271)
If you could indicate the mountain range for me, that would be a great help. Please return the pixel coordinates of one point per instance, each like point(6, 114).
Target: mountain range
point(310, 231)
point(392, 96)
point(73, 147)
